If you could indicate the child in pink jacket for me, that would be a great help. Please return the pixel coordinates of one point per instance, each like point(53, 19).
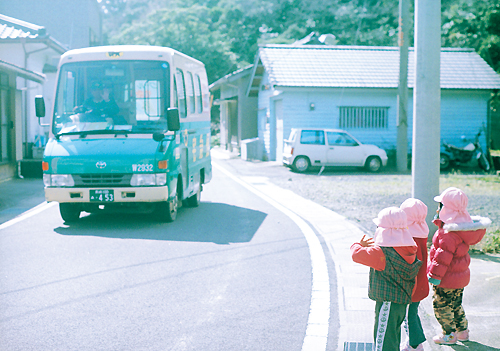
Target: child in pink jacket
point(416, 212)
point(391, 256)
point(448, 266)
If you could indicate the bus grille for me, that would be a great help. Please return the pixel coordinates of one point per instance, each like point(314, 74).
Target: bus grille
point(101, 180)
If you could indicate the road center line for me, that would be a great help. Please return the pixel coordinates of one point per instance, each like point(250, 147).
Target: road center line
point(319, 313)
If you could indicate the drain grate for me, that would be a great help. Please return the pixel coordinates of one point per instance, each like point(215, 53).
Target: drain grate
point(358, 346)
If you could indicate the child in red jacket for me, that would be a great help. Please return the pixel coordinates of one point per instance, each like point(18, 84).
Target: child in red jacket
point(392, 258)
point(448, 266)
point(416, 211)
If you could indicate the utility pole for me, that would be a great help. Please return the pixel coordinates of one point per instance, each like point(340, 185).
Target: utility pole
point(427, 104)
point(402, 121)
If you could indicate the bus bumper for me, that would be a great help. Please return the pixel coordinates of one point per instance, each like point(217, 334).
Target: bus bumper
point(120, 195)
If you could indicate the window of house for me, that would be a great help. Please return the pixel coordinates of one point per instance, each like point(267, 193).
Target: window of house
point(181, 93)
point(315, 137)
point(197, 93)
point(363, 117)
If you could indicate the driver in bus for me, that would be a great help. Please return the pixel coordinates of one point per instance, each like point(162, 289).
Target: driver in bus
point(100, 107)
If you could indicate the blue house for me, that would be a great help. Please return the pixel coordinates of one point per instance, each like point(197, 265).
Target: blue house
point(355, 88)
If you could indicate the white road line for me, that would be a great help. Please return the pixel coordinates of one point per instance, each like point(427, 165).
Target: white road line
point(25, 215)
point(491, 278)
point(319, 313)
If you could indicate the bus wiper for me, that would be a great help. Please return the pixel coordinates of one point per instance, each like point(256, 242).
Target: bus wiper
point(84, 133)
point(148, 129)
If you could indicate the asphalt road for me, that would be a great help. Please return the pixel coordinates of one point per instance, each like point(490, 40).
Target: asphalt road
point(232, 274)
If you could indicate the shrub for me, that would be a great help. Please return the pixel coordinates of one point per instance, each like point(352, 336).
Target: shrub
point(491, 242)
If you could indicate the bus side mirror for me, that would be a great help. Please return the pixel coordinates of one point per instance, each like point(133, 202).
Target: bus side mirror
point(39, 106)
point(173, 122)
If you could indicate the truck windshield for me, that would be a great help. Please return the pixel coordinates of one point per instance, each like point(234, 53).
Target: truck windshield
point(112, 95)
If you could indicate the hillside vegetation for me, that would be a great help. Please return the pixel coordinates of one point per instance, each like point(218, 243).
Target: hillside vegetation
point(225, 34)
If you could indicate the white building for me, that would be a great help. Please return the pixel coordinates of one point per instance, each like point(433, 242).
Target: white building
point(33, 36)
point(28, 56)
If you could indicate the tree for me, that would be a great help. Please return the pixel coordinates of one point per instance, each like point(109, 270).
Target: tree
point(189, 30)
point(225, 34)
point(474, 24)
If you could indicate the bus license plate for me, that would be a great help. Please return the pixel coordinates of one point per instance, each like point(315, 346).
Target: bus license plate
point(102, 195)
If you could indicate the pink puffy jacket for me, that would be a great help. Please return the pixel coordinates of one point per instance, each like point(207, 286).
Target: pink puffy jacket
point(449, 255)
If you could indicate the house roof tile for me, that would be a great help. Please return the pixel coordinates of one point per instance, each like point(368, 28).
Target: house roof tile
point(368, 67)
point(7, 32)
point(13, 30)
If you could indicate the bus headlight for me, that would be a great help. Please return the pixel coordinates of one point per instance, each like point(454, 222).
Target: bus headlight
point(161, 178)
point(148, 179)
point(46, 179)
point(59, 180)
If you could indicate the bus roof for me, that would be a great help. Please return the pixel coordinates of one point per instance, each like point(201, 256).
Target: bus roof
point(122, 52)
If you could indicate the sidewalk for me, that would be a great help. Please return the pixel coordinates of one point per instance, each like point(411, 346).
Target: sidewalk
point(356, 310)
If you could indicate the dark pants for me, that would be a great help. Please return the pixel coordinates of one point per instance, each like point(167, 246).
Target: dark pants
point(448, 309)
point(413, 326)
point(388, 319)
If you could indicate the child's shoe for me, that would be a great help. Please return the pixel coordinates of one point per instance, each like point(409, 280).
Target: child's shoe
point(444, 339)
point(463, 335)
point(409, 348)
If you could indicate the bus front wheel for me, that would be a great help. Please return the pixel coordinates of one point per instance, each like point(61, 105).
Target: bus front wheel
point(69, 212)
point(167, 211)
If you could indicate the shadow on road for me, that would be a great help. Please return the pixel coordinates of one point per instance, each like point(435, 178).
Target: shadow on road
point(473, 346)
point(210, 222)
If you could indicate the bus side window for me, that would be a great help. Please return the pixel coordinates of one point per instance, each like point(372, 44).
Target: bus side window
point(176, 101)
point(190, 92)
point(197, 91)
point(181, 93)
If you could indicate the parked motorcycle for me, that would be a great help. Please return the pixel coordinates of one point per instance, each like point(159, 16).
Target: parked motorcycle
point(462, 156)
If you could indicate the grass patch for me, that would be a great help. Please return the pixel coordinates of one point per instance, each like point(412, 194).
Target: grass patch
point(490, 242)
point(359, 196)
point(483, 191)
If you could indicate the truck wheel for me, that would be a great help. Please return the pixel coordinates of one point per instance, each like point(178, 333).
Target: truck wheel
point(167, 211)
point(194, 201)
point(373, 164)
point(69, 212)
point(301, 164)
point(444, 162)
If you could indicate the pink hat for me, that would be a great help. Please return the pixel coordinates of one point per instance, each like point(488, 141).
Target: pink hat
point(392, 228)
point(416, 211)
point(439, 198)
point(454, 208)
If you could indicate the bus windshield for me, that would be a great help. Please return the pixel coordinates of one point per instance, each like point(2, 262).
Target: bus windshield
point(112, 95)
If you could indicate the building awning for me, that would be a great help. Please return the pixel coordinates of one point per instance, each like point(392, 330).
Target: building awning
point(230, 78)
point(21, 72)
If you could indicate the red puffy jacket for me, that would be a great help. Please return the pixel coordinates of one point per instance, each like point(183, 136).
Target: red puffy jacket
point(422, 286)
point(449, 255)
